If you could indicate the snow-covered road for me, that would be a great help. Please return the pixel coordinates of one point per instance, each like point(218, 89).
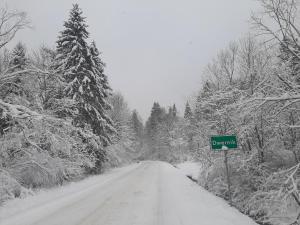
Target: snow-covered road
point(148, 193)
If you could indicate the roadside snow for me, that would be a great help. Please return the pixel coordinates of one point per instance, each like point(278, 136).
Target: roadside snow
point(191, 169)
point(185, 202)
point(61, 193)
point(145, 193)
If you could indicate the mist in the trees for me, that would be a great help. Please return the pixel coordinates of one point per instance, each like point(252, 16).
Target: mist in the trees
point(61, 120)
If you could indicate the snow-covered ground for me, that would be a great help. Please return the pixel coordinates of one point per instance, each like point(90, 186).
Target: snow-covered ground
point(146, 193)
point(191, 169)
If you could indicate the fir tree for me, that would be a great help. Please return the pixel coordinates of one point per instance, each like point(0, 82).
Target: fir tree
point(174, 111)
point(83, 72)
point(156, 117)
point(73, 52)
point(18, 62)
point(188, 111)
point(137, 124)
point(170, 111)
point(98, 68)
point(100, 90)
point(18, 59)
point(198, 109)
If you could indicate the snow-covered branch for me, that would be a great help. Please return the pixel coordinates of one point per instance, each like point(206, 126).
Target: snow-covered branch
point(11, 21)
point(18, 111)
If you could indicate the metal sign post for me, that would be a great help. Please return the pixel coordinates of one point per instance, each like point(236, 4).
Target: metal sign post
point(224, 143)
point(228, 176)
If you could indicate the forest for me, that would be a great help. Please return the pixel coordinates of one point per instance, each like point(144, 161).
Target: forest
point(61, 121)
point(59, 118)
point(250, 89)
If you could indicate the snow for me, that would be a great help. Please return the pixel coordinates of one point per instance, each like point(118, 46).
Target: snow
point(54, 198)
point(18, 111)
point(145, 193)
point(80, 89)
point(191, 169)
point(86, 80)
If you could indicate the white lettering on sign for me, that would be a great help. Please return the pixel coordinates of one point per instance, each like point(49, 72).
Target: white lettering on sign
point(232, 142)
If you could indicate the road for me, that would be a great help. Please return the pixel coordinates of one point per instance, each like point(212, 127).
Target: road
point(148, 193)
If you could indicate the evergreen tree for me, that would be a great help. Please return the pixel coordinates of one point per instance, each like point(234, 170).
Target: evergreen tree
point(188, 111)
point(73, 53)
point(137, 124)
point(86, 84)
point(156, 117)
point(18, 59)
point(100, 91)
point(98, 66)
point(170, 112)
point(174, 111)
point(198, 108)
point(18, 62)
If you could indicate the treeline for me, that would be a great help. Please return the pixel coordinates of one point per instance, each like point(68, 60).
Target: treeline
point(251, 89)
point(59, 118)
point(169, 136)
point(162, 131)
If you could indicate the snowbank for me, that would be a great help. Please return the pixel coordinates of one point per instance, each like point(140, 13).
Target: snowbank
point(58, 195)
point(190, 169)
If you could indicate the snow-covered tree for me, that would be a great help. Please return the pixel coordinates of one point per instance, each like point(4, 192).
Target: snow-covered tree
point(120, 114)
point(98, 67)
point(59, 129)
point(82, 70)
point(12, 21)
point(174, 110)
point(152, 127)
point(50, 84)
point(188, 114)
point(126, 142)
point(18, 58)
point(137, 125)
point(17, 64)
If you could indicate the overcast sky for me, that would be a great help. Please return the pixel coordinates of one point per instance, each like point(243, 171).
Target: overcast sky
point(155, 50)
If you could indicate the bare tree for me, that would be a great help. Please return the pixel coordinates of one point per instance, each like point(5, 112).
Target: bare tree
point(254, 61)
point(227, 59)
point(11, 21)
point(221, 70)
point(212, 71)
point(278, 20)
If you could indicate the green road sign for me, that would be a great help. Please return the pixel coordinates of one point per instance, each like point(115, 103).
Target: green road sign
point(223, 142)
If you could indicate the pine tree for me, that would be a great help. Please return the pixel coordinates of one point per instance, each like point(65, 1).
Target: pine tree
point(100, 91)
point(174, 110)
point(18, 59)
point(188, 111)
point(137, 124)
point(98, 66)
point(170, 111)
point(73, 52)
point(83, 72)
point(198, 109)
point(156, 117)
point(18, 62)
point(153, 123)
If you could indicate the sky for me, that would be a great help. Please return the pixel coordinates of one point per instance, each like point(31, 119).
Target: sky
point(155, 50)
